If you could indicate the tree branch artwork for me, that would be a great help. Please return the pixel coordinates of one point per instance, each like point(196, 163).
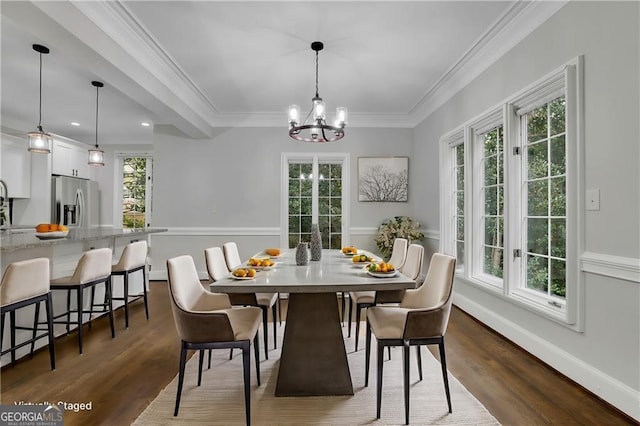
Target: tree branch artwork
point(383, 179)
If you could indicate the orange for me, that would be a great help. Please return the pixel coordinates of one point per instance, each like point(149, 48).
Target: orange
point(273, 251)
point(43, 227)
point(251, 273)
point(62, 228)
point(240, 273)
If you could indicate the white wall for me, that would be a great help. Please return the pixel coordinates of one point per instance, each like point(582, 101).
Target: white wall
point(605, 357)
point(228, 188)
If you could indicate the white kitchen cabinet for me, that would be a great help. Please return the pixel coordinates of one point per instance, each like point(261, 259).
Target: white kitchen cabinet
point(16, 167)
point(69, 159)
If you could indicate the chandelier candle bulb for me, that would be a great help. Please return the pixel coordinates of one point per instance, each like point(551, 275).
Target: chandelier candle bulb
point(294, 115)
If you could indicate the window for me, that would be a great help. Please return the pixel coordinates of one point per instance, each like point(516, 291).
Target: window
point(316, 193)
point(136, 191)
point(510, 197)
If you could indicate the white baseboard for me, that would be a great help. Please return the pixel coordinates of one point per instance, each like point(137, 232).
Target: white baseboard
point(613, 391)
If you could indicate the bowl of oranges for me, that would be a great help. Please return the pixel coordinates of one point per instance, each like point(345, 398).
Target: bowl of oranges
point(51, 231)
point(381, 270)
point(243, 274)
point(261, 264)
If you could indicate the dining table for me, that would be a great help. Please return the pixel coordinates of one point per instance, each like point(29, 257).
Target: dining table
point(313, 361)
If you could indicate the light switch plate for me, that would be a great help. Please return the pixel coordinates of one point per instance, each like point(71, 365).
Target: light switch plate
point(593, 199)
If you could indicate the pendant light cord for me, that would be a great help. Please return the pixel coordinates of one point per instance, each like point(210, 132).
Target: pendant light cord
point(97, 94)
point(317, 96)
point(40, 100)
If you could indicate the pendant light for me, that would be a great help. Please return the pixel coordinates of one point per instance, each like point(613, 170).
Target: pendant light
point(40, 141)
point(96, 155)
point(314, 128)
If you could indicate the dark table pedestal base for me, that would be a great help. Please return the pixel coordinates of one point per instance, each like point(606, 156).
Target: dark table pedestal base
point(314, 359)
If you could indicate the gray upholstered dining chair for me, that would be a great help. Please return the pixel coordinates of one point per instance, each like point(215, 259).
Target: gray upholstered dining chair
point(206, 320)
point(26, 283)
point(421, 319)
point(262, 300)
point(399, 257)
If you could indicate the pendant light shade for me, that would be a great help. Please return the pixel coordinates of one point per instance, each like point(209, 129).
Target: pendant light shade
point(96, 155)
point(40, 142)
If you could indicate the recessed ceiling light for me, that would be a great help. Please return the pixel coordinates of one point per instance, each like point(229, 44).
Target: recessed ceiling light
point(145, 124)
point(73, 123)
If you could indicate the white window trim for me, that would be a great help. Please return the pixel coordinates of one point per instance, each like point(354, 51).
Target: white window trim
point(316, 159)
point(568, 79)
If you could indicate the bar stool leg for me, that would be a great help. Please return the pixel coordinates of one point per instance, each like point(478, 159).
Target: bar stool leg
point(125, 278)
point(79, 308)
point(93, 296)
point(35, 329)
point(144, 292)
point(12, 325)
point(49, 311)
point(68, 311)
point(109, 293)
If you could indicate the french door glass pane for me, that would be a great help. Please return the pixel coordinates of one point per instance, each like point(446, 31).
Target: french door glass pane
point(136, 187)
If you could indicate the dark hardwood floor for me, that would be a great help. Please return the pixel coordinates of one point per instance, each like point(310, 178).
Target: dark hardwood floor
point(121, 376)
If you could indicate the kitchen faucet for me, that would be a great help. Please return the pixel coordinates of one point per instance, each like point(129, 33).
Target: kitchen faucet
point(5, 222)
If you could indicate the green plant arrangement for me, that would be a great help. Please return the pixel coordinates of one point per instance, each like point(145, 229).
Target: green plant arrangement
point(398, 227)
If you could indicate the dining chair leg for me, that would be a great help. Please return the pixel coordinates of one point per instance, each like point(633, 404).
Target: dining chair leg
point(35, 329)
point(49, 311)
point(349, 319)
point(264, 328)
point(389, 352)
point(79, 301)
point(109, 292)
point(279, 309)
point(445, 377)
point(274, 308)
point(379, 385)
point(230, 354)
point(246, 363)
point(256, 349)
point(406, 353)
point(209, 363)
point(200, 361)
point(68, 311)
point(419, 357)
point(367, 355)
point(183, 360)
point(358, 314)
point(342, 301)
point(2, 329)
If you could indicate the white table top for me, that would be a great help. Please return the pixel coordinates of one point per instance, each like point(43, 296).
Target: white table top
point(335, 272)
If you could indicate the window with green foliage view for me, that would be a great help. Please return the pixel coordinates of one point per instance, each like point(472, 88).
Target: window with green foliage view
point(136, 191)
point(546, 197)
point(510, 198)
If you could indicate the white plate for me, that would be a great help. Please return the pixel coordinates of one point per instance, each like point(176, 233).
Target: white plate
point(264, 255)
point(350, 254)
point(51, 235)
point(242, 278)
point(383, 274)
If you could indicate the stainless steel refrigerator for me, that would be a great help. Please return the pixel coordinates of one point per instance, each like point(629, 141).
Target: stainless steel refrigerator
point(75, 202)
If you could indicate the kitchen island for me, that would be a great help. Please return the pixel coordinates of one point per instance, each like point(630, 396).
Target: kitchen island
point(64, 253)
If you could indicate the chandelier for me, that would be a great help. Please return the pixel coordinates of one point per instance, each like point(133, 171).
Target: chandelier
point(314, 128)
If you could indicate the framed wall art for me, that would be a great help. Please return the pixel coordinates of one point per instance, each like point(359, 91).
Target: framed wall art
point(383, 179)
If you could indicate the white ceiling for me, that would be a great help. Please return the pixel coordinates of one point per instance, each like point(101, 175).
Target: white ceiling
point(197, 65)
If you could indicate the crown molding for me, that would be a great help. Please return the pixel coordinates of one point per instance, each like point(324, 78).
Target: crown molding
point(520, 20)
point(145, 56)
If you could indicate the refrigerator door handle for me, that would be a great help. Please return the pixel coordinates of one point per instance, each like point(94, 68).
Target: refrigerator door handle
point(80, 208)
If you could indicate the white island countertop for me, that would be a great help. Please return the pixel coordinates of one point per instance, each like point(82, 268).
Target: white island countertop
point(20, 239)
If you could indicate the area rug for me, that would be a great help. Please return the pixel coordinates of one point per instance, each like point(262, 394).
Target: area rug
point(220, 401)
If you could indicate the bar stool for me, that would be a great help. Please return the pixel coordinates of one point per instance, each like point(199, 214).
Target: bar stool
point(94, 267)
point(133, 258)
point(23, 284)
